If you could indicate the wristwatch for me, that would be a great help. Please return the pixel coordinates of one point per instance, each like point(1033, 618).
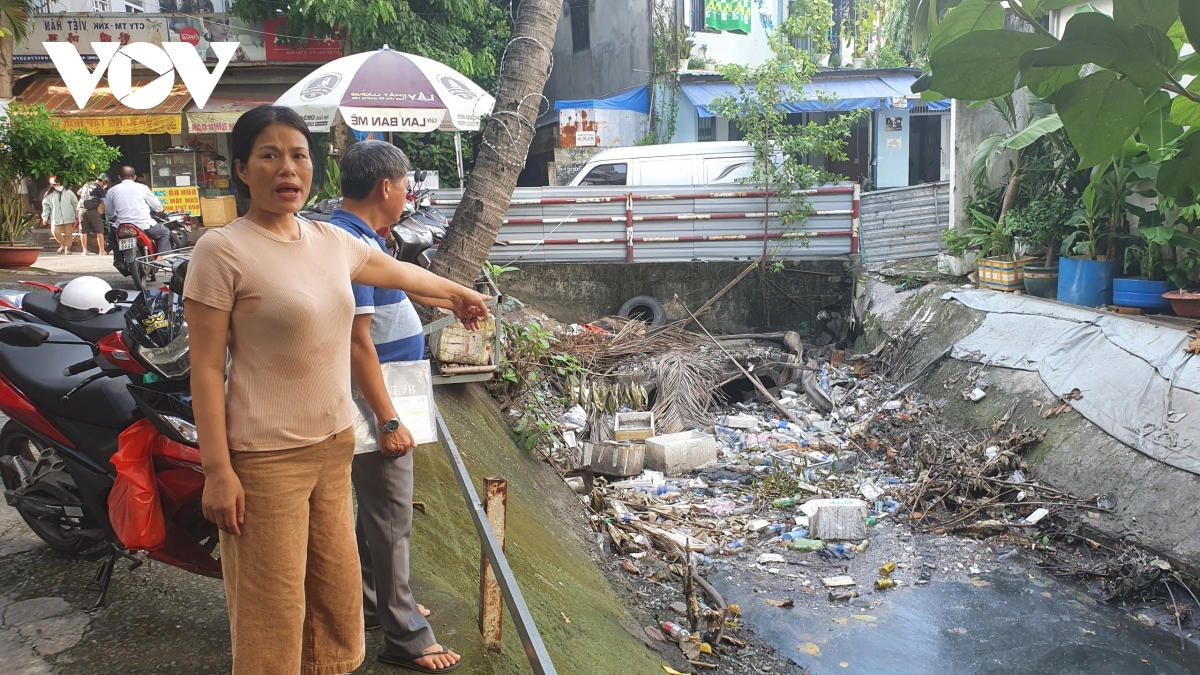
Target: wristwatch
point(390, 426)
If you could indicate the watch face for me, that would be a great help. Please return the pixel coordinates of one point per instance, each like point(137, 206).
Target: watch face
point(390, 426)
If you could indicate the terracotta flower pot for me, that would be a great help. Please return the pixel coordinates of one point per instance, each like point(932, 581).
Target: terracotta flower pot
point(19, 256)
point(1186, 305)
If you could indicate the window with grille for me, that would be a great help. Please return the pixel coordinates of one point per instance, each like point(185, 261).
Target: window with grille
point(581, 30)
point(706, 128)
point(697, 15)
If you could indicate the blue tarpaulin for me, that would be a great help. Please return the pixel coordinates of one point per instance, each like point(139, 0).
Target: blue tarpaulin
point(825, 95)
point(636, 99)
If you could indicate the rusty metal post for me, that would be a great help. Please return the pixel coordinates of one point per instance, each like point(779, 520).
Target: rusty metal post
point(491, 601)
point(628, 227)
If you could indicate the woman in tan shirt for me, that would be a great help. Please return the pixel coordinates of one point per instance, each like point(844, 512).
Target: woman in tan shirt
point(274, 290)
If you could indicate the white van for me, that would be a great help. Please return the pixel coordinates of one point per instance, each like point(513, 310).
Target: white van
point(710, 163)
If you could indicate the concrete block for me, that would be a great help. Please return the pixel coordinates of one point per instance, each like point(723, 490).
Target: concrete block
point(674, 454)
point(747, 422)
point(837, 519)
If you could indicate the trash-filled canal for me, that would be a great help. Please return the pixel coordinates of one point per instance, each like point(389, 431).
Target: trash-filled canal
point(1008, 623)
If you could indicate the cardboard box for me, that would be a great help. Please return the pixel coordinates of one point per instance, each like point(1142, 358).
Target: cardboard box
point(218, 211)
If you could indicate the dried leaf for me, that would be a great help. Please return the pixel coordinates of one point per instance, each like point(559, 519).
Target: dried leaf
point(671, 671)
point(564, 617)
point(981, 584)
point(1074, 395)
point(630, 567)
point(863, 617)
point(1193, 347)
point(841, 620)
point(654, 633)
point(685, 391)
point(1051, 412)
point(785, 604)
point(810, 648)
point(1046, 594)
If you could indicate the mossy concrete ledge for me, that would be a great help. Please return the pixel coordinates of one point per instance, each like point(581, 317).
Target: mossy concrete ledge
point(544, 544)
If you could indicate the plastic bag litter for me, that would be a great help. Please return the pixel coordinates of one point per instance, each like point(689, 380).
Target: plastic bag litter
point(133, 506)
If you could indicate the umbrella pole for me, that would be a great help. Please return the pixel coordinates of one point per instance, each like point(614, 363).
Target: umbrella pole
point(458, 158)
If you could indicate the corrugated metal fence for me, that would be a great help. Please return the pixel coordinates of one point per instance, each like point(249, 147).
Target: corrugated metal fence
point(904, 222)
point(663, 224)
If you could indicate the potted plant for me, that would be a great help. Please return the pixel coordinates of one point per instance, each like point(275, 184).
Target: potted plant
point(1040, 226)
point(859, 58)
point(686, 41)
point(999, 268)
point(1146, 290)
point(813, 19)
point(1085, 275)
point(16, 251)
point(957, 260)
point(695, 63)
point(706, 63)
point(1179, 268)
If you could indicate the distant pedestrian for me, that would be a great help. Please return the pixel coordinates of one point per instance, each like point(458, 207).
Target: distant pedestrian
point(58, 213)
point(91, 201)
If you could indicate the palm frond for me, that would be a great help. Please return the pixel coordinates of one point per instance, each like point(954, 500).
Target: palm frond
point(16, 15)
point(685, 392)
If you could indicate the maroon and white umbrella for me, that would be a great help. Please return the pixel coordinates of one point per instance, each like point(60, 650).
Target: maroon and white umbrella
point(386, 90)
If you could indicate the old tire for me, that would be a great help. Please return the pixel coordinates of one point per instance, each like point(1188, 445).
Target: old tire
point(644, 308)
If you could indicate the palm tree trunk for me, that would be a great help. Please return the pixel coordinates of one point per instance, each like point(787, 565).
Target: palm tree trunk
point(506, 139)
point(6, 62)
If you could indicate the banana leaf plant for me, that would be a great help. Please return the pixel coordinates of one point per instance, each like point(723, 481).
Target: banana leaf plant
point(1186, 249)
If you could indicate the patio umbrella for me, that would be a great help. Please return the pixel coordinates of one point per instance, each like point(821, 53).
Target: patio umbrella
point(386, 90)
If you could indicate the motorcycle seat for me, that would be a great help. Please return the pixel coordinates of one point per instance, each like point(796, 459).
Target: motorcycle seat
point(87, 324)
point(37, 372)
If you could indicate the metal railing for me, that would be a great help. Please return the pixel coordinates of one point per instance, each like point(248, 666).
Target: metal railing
point(535, 649)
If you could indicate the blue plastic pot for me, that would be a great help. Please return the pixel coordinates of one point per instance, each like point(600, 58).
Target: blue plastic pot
point(1143, 294)
point(1088, 283)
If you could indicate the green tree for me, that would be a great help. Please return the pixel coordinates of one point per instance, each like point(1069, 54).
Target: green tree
point(759, 109)
point(467, 35)
point(1099, 75)
point(33, 145)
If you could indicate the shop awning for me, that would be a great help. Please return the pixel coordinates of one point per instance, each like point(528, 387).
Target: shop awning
point(636, 100)
point(825, 95)
point(227, 104)
point(104, 115)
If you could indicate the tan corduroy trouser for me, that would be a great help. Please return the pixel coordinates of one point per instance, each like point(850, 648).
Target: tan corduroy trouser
point(292, 578)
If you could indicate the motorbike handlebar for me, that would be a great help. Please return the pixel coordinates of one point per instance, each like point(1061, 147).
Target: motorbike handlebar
point(81, 367)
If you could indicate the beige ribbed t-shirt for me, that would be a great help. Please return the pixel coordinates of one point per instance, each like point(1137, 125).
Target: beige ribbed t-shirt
point(291, 310)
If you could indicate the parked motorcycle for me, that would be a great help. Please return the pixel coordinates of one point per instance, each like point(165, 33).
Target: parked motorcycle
point(130, 246)
point(68, 403)
point(45, 305)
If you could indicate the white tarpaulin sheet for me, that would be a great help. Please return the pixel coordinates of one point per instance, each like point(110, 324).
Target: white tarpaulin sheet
point(1137, 383)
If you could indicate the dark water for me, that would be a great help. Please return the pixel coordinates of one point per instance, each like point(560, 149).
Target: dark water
point(1009, 626)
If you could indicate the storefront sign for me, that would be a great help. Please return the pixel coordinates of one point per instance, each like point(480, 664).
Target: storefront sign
point(257, 41)
point(212, 123)
point(81, 31)
point(123, 125)
point(179, 199)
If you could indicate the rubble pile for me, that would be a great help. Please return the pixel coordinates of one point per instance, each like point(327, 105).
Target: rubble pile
point(801, 474)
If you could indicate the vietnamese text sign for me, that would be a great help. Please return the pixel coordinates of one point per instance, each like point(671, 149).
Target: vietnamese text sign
point(82, 31)
point(122, 125)
point(179, 199)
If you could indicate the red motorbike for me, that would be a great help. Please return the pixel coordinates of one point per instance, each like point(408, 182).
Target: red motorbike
point(69, 402)
point(131, 248)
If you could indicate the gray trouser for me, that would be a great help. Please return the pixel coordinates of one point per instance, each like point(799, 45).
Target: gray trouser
point(384, 489)
point(161, 237)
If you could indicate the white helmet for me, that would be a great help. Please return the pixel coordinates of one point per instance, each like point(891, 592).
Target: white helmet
point(86, 293)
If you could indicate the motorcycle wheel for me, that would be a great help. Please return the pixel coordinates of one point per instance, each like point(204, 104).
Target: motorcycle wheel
point(14, 440)
point(141, 273)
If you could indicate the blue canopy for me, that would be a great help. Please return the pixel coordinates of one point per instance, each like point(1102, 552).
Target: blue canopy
point(843, 94)
point(636, 99)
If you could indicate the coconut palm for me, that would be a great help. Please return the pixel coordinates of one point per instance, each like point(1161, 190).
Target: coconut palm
point(1027, 122)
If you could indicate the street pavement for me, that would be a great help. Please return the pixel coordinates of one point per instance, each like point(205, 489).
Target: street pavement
point(51, 268)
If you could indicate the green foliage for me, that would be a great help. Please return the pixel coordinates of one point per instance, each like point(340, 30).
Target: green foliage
point(497, 271)
point(435, 152)
point(886, 57)
point(33, 145)
point(989, 236)
point(757, 108)
point(695, 63)
point(527, 356)
point(668, 46)
point(15, 223)
point(811, 19)
point(332, 187)
point(1041, 222)
point(17, 14)
point(1126, 60)
point(924, 17)
point(956, 242)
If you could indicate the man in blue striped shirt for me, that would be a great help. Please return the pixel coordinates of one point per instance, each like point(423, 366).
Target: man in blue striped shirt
point(386, 330)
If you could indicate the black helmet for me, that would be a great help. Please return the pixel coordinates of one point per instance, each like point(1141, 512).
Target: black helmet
point(157, 333)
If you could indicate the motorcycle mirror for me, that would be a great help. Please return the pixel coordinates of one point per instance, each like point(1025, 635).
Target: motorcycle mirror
point(116, 295)
point(178, 275)
point(419, 176)
point(24, 335)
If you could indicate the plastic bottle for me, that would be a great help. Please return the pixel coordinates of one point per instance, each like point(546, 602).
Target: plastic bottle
point(803, 544)
point(733, 547)
point(798, 533)
point(863, 545)
point(675, 631)
point(784, 502)
point(842, 594)
point(884, 584)
point(699, 559)
point(771, 530)
point(872, 521)
point(891, 505)
point(887, 569)
point(841, 549)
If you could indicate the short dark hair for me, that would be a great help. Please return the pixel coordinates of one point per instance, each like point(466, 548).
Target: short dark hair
point(128, 172)
point(251, 125)
point(367, 163)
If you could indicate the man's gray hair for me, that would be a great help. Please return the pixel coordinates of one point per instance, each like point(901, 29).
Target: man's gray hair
point(366, 163)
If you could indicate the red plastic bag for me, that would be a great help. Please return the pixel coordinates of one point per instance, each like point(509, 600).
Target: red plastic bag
point(133, 506)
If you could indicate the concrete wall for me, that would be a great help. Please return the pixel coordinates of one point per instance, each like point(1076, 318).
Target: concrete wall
point(891, 149)
point(793, 298)
point(685, 120)
point(1157, 506)
point(970, 127)
point(619, 57)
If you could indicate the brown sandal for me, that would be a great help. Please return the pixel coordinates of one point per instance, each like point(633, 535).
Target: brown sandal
point(411, 664)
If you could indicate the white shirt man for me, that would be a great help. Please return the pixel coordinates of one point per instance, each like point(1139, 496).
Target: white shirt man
point(131, 202)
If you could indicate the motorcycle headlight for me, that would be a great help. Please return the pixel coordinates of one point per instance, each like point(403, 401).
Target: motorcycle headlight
point(186, 429)
point(172, 361)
